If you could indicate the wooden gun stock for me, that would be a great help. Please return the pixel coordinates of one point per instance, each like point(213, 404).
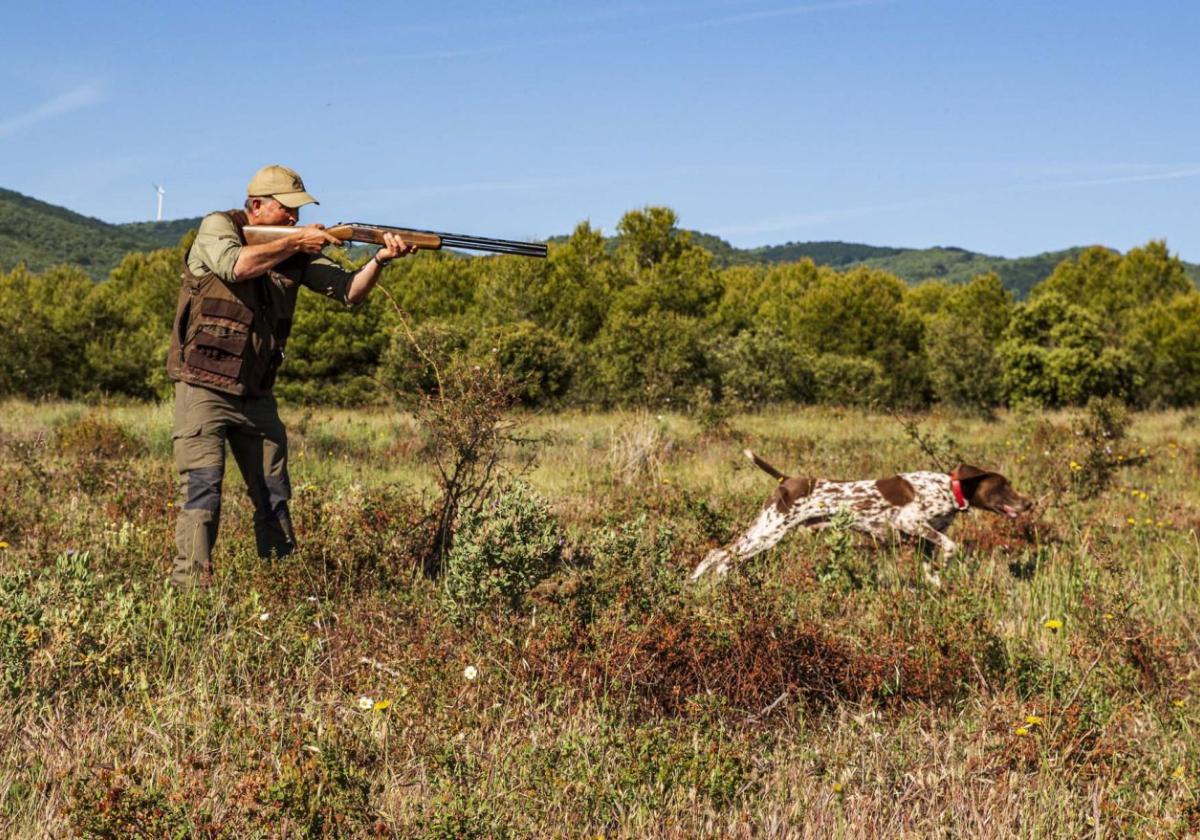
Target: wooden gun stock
point(423, 239)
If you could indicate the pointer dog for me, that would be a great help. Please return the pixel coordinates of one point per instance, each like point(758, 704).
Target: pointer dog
point(917, 504)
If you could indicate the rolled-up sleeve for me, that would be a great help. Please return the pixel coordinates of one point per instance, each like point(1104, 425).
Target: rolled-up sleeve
point(216, 247)
point(326, 277)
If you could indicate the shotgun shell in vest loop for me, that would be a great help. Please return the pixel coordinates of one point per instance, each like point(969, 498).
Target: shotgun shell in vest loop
point(282, 184)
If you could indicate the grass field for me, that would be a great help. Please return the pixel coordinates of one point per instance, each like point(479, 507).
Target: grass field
point(1047, 689)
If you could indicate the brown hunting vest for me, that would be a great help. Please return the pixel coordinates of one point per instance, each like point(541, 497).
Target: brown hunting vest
point(230, 337)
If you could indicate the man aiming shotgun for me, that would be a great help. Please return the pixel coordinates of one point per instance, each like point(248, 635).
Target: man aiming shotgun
point(241, 277)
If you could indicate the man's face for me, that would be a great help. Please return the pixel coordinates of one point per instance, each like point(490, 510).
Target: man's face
point(268, 211)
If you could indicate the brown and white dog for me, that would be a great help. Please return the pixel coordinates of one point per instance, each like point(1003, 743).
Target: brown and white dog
point(918, 504)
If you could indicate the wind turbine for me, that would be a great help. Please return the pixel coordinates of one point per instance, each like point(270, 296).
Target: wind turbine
point(160, 191)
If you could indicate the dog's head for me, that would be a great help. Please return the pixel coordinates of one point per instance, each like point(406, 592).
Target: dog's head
point(990, 491)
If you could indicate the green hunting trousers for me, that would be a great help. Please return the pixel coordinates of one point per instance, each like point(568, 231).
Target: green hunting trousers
point(204, 421)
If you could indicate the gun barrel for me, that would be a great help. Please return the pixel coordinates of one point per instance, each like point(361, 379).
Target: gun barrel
point(472, 243)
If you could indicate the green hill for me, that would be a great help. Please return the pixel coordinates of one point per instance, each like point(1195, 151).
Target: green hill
point(41, 235)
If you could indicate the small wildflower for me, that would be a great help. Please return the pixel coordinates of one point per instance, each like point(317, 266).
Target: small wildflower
point(470, 672)
point(1021, 731)
point(3, 545)
point(1179, 773)
point(1142, 451)
point(1129, 520)
point(837, 788)
point(1148, 520)
point(1052, 624)
point(366, 703)
point(1159, 523)
point(380, 705)
point(1179, 704)
point(1108, 616)
point(263, 616)
point(666, 481)
point(1033, 720)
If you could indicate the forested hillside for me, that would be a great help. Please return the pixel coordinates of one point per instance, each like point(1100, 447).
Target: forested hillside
point(41, 235)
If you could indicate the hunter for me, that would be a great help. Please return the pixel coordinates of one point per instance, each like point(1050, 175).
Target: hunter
point(231, 325)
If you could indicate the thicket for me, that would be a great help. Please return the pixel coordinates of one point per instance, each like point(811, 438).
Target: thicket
point(654, 322)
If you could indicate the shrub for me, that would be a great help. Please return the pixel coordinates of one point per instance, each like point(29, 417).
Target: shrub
point(538, 363)
point(502, 551)
point(847, 380)
point(763, 365)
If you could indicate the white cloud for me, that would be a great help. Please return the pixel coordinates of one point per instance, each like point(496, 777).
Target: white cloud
point(87, 94)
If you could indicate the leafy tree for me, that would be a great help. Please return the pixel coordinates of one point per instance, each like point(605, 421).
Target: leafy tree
point(1054, 354)
point(960, 342)
point(1166, 341)
point(861, 313)
point(1115, 286)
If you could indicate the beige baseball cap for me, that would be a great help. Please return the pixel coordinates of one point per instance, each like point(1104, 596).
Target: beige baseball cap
point(282, 184)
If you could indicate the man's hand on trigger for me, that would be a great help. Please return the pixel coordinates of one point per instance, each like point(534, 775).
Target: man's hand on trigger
point(394, 246)
point(312, 238)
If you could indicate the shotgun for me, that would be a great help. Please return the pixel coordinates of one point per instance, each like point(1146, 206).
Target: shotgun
point(423, 239)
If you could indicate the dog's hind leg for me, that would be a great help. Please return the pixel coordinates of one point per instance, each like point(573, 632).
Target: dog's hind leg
point(766, 531)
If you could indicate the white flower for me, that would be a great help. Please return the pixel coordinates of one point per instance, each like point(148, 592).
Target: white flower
point(263, 616)
point(366, 703)
point(470, 672)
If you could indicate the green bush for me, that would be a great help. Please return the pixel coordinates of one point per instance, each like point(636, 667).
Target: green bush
point(539, 364)
point(847, 380)
point(762, 365)
point(502, 550)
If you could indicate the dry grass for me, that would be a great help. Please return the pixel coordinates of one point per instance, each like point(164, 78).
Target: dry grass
point(818, 691)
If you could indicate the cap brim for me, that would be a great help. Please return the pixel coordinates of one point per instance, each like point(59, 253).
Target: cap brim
point(294, 199)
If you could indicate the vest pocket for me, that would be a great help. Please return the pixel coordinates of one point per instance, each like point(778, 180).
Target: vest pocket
point(217, 350)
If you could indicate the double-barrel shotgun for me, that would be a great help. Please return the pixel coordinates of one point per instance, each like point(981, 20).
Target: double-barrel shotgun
point(423, 239)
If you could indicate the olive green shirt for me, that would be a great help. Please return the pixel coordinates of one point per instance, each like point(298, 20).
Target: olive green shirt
point(217, 247)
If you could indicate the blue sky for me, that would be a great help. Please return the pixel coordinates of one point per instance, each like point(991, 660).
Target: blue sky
point(1008, 127)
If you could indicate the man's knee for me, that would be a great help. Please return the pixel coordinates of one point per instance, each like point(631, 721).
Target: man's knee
point(202, 489)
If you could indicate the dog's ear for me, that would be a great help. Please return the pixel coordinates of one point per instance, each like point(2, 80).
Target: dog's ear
point(965, 472)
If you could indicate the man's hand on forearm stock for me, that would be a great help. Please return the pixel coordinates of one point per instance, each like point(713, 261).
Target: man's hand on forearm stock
point(254, 260)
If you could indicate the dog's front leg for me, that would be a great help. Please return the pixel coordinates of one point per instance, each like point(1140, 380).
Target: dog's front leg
point(930, 536)
point(767, 530)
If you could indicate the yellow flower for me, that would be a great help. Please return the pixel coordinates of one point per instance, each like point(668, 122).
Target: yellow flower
point(1130, 520)
point(1179, 773)
point(1148, 520)
point(3, 545)
point(1108, 616)
point(380, 705)
point(1179, 704)
point(837, 788)
point(1022, 731)
point(1033, 720)
point(1052, 624)
point(666, 481)
point(1142, 451)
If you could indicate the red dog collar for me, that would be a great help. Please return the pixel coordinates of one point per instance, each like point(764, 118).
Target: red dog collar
point(960, 501)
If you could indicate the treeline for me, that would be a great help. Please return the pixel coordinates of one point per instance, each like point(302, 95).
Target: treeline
point(653, 322)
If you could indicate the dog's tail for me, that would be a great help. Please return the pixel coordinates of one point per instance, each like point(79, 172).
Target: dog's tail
point(764, 466)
